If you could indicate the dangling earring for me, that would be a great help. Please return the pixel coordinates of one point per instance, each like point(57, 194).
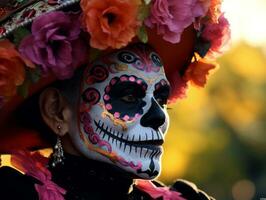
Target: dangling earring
point(58, 154)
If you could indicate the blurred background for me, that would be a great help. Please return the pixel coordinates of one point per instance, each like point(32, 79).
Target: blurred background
point(217, 137)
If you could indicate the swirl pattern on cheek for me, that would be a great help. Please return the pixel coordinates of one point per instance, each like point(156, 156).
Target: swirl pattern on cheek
point(97, 74)
point(104, 147)
point(93, 137)
point(91, 96)
point(86, 120)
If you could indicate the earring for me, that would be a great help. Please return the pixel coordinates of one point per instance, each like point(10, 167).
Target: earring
point(58, 154)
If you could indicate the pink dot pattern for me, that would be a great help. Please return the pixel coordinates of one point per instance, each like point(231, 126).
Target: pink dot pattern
point(107, 97)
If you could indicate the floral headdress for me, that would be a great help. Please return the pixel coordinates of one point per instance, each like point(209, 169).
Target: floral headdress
point(41, 38)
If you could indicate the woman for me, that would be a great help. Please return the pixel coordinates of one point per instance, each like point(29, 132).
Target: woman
point(107, 119)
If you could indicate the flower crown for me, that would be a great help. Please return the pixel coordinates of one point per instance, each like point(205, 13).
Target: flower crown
point(41, 39)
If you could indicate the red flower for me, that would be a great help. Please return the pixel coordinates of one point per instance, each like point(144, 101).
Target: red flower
point(12, 69)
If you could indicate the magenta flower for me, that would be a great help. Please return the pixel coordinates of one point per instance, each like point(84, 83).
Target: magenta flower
point(170, 18)
point(158, 192)
point(55, 44)
point(219, 35)
point(34, 165)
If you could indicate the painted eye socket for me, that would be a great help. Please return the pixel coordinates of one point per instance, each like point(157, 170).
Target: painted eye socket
point(125, 95)
point(162, 92)
point(129, 98)
point(156, 59)
point(127, 57)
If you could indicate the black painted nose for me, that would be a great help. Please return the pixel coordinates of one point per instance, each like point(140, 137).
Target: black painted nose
point(155, 117)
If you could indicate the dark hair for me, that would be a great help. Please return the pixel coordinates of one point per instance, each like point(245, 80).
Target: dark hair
point(28, 115)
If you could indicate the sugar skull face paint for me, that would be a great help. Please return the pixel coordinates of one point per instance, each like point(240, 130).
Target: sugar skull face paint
point(121, 117)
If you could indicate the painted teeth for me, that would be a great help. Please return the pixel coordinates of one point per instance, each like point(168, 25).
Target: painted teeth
point(146, 153)
point(123, 142)
point(125, 145)
point(101, 127)
point(130, 148)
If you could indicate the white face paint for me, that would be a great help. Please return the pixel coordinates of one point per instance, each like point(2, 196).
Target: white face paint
point(121, 118)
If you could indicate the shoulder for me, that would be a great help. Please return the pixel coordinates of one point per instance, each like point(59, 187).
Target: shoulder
point(189, 190)
point(15, 185)
point(185, 189)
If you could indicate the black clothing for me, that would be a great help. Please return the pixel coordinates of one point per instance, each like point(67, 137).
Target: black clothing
point(16, 186)
point(89, 179)
point(85, 179)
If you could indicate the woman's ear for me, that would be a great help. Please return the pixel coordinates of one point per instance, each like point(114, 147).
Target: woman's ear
point(55, 111)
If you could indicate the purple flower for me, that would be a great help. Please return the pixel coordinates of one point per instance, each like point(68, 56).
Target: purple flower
point(55, 44)
point(170, 18)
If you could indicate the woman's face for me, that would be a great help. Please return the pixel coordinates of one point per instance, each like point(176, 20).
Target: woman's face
point(121, 117)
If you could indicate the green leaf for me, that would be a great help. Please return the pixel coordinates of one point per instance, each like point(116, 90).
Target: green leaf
point(23, 90)
point(19, 34)
point(142, 34)
point(33, 75)
point(94, 54)
point(144, 11)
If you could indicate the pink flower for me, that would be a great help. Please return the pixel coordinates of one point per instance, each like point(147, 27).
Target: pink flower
point(219, 35)
point(55, 44)
point(34, 165)
point(170, 18)
point(157, 192)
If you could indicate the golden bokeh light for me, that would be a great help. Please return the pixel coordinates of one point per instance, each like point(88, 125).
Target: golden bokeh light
point(247, 19)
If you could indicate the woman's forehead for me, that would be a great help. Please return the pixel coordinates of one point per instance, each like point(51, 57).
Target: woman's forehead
point(134, 59)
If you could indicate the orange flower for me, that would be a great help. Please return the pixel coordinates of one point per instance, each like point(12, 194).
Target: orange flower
point(12, 72)
point(215, 10)
point(111, 23)
point(198, 71)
